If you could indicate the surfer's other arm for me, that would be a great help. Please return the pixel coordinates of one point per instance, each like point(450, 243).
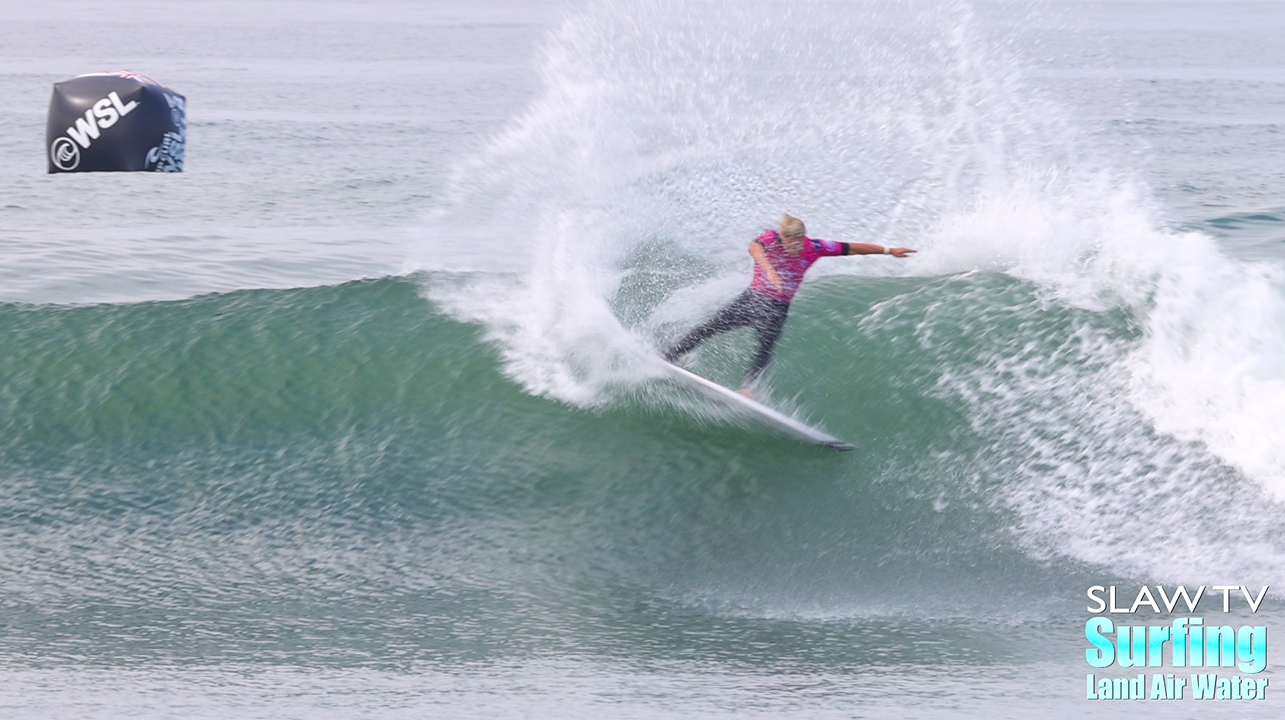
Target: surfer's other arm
point(868, 249)
point(760, 258)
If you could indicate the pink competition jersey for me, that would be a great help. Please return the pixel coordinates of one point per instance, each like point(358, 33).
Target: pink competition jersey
point(789, 267)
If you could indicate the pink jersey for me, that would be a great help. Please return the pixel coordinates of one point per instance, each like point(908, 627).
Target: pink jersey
point(789, 267)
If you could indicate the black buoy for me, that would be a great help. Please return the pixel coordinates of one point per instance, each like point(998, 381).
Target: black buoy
point(115, 121)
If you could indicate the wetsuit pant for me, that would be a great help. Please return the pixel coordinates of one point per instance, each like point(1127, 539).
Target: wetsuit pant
point(752, 309)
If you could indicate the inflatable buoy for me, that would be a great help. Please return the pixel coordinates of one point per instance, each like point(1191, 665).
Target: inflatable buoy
point(115, 121)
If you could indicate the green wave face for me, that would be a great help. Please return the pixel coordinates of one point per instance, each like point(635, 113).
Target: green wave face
point(247, 465)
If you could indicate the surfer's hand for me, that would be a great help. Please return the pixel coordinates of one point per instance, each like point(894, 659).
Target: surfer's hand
point(900, 252)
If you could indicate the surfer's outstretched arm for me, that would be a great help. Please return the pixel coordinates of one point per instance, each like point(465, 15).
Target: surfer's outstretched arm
point(869, 249)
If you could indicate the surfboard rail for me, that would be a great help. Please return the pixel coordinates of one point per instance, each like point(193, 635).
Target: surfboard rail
point(757, 411)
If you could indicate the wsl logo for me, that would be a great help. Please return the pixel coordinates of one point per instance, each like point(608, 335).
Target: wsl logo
point(115, 122)
point(64, 154)
point(104, 114)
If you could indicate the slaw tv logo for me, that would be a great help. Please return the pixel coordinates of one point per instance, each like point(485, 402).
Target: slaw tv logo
point(65, 150)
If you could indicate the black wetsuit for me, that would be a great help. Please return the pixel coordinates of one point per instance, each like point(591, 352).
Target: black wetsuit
point(752, 309)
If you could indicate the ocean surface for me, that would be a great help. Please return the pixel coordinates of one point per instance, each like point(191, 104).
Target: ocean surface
point(358, 416)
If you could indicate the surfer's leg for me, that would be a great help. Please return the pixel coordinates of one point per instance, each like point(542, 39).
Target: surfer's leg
point(768, 324)
point(738, 313)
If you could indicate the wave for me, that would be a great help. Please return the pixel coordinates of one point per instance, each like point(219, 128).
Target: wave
point(1057, 389)
point(613, 214)
point(369, 444)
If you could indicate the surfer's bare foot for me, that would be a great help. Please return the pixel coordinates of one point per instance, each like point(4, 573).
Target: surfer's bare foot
point(746, 392)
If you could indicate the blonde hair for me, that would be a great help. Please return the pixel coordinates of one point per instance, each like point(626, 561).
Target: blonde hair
point(791, 227)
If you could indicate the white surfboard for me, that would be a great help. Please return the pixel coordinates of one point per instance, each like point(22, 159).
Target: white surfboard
point(755, 410)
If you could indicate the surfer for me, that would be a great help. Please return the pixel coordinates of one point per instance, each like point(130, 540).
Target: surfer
point(781, 257)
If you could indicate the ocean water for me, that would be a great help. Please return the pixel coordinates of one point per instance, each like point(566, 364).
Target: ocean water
point(357, 416)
